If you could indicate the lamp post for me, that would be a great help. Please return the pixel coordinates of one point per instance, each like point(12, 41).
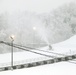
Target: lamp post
point(12, 40)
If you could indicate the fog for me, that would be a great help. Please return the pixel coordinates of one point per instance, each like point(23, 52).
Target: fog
point(37, 30)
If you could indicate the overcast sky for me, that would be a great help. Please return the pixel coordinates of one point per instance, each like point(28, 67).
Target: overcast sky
point(39, 6)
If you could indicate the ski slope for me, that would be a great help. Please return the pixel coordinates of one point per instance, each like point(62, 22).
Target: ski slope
point(64, 48)
point(68, 46)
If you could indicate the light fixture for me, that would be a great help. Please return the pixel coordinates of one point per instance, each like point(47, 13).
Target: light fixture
point(12, 37)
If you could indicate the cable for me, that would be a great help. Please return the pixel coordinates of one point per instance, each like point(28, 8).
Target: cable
point(35, 52)
point(40, 50)
point(30, 51)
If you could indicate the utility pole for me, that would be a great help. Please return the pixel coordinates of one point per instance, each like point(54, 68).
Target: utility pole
point(12, 40)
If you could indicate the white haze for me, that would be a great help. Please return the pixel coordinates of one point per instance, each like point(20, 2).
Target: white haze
point(38, 6)
point(15, 19)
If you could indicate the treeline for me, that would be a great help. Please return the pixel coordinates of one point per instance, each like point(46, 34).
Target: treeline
point(37, 30)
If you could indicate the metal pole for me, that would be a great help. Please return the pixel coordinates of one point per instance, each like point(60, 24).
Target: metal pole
point(12, 54)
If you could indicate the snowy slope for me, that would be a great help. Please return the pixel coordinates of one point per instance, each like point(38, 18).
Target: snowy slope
point(20, 58)
point(70, 43)
point(66, 46)
point(63, 68)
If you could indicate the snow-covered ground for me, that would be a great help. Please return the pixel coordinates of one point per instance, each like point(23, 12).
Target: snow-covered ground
point(67, 47)
point(20, 58)
point(62, 68)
